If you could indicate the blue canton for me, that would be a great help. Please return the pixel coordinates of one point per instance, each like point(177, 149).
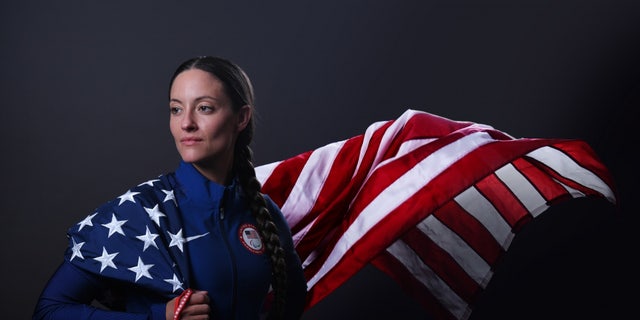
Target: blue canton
point(135, 238)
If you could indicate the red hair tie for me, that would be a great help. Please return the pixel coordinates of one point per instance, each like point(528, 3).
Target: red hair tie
point(181, 303)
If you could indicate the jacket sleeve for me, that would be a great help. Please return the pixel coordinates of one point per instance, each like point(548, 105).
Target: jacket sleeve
point(296, 282)
point(70, 292)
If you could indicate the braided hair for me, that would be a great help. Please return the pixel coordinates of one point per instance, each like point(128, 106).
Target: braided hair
point(239, 89)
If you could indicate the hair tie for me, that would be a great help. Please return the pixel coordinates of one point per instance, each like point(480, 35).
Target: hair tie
point(181, 303)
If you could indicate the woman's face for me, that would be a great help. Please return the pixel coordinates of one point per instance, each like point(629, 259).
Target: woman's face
point(203, 123)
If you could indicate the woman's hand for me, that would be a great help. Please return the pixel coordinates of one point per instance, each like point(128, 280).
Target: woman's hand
point(196, 307)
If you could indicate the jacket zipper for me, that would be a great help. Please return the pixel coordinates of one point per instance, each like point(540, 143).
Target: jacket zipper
point(233, 263)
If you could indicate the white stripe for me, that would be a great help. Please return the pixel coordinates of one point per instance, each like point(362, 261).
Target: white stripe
point(365, 142)
point(302, 233)
point(389, 134)
point(309, 183)
point(568, 168)
point(264, 171)
point(468, 259)
point(532, 200)
point(420, 271)
point(408, 147)
point(480, 208)
point(392, 132)
point(398, 192)
point(573, 192)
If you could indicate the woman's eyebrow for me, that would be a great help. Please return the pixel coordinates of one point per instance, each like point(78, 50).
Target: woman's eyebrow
point(196, 99)
point(206, 97)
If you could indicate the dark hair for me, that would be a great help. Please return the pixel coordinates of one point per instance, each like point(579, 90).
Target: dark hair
point(239, 89)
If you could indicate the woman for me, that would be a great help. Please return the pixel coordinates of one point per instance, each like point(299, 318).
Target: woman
point(198, 243)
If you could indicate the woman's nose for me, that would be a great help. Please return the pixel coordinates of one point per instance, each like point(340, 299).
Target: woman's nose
point(188, 123)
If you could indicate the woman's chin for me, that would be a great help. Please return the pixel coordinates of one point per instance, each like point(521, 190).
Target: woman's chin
point(190, 158)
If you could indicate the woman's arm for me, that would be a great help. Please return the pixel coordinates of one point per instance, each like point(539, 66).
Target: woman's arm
point(296, 286)
point(296, 282)
point(70, 292)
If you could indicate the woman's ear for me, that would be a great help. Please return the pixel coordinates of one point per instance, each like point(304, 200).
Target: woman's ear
point(244, 116)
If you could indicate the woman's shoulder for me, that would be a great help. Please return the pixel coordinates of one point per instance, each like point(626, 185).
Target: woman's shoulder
point(158, 189)
point(150, 195)
point(271, 205)
point(133, 228)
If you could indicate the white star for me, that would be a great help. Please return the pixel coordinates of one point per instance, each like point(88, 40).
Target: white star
point(106, 259)
point(176, 239)
point(150, 182)
point(76, 249)
point(175, 283)
point(86, 221)
point(141, 270)
point(128, 196)
point(115, 225)
point(169, 196)
point(155, 214)
point(149, 239)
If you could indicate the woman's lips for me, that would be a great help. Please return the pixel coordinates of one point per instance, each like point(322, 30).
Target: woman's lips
point(190, 141)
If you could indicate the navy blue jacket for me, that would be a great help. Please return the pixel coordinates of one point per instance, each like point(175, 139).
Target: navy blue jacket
point(178, 231)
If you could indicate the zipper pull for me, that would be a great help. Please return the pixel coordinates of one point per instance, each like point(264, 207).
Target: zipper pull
point(221, 213)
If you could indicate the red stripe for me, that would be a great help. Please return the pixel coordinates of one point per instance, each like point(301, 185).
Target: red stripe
point(583, 154)
point(505, 202)
point(541, 180)
point(442, 264)
point(469, 229)
point(281, 181)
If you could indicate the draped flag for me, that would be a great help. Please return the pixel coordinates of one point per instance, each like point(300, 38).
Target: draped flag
point(430, 201)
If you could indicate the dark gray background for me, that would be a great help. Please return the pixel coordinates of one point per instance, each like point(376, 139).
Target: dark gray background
point(84, 112)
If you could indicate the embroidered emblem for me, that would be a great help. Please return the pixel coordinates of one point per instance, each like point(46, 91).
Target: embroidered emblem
point(251, 239)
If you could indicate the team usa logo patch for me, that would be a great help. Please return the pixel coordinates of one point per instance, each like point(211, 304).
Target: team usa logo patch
point(251, 239)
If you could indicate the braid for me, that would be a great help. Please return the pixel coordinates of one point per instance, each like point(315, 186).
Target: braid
point(266, 227)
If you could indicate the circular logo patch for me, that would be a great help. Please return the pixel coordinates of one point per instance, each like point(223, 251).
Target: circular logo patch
point(250, 238)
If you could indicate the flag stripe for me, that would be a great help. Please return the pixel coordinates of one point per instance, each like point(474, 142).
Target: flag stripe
point(282, 178)
point(475, 235)
point(481, 209)
point(501, 197)
point(302, 197)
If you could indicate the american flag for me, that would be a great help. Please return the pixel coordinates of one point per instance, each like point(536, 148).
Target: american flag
point(430, 201)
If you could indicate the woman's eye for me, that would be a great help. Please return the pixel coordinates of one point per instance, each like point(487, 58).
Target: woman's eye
point(174, 110)
point(205, 108)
